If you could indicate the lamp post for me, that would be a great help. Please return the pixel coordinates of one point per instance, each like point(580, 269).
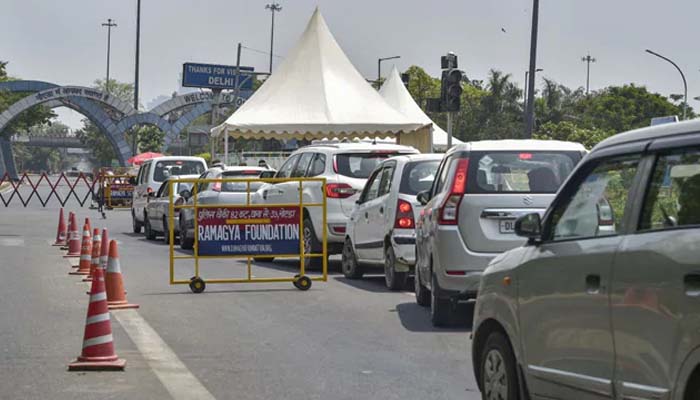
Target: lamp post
point(136, 70)
point(109, 26)
point(272, 7)
point(588, 60)
point(530, 104)
point(527, 76)
point(379, 67)
point(685, 84)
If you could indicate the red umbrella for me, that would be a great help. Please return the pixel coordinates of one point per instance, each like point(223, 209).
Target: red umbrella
point(140, 158)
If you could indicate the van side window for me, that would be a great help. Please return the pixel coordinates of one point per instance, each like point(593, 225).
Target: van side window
point(318, 165)
point(442, 177)
point(387, 177)
point(673, 196)
point(372, 187)
point(597, 207)
point(286, 168)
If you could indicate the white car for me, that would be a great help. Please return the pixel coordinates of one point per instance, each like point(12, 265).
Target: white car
point(382, 228)
point(152, 174)
point(346, 167)
point(158, 205)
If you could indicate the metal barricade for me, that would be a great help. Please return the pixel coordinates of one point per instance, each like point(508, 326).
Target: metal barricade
point(116, 190)
point(286, 219)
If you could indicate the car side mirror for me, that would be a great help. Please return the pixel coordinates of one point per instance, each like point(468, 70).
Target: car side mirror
point(132, 180)
point(185, 194)
point(267, 174)
point(151, 194)
point(529, 226)
point(423, 197)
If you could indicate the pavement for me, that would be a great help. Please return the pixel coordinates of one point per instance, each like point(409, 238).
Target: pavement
point(342, 339)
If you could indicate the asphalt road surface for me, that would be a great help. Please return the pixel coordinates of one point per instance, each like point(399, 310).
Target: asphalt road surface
point(342, 339)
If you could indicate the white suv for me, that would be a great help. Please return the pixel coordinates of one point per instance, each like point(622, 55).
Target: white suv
point(346, 167)
point(381, 231)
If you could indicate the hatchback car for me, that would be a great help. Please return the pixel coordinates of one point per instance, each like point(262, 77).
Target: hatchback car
point(158, 205)
point(603, 300)
point(470, 212)
point(381, 230)
point(346, 167)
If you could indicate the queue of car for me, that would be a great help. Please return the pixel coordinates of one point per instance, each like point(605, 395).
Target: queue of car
point(582, 269)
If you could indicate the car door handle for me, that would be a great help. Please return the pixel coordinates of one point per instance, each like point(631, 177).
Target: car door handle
point(692, 284)
point(593, 284)
point(381, 210)
point(366, 215)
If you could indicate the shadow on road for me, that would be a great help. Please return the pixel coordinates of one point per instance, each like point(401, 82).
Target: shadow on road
point(374, 284)
point(417, 319)
point(226, 291)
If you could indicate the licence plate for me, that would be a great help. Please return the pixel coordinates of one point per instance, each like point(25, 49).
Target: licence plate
point(506, 226)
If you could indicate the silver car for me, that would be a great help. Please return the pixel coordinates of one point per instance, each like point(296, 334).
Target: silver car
point(603, 302)
point(156, 211)
point(470, 212)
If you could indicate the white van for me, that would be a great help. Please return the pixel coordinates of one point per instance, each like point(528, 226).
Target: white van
point(152, 174)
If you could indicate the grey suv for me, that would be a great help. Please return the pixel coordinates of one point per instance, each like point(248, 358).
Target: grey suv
point(470, 212)
point(603, 302)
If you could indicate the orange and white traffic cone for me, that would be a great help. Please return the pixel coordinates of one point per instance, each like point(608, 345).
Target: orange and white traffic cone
point(98, 344)
point(95, 254)
point(104, 250)
point(116, 295)
point(73, 238)
point(85, 254)
point(87, 222)
point(62, 231)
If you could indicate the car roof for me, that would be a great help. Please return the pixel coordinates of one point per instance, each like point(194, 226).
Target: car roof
point(417, 157)
point(518, 144)
point(176, 177)
point(245, 168)
point(168, 158)
point(652, 132)
point(357, 146)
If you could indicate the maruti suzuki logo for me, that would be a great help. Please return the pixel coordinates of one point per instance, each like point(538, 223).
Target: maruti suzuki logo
point(527, 200)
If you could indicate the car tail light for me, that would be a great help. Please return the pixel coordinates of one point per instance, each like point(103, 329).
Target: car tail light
point(335, 164)
point(404, 215)
point(339, 190)
point(450, 207)
point(525, 156)
point(216, 187)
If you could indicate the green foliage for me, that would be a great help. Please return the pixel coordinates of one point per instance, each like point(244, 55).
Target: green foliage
point(102, 151)
point(150, 138)
point(568, 131)
point(34, 116)
point(206, 156)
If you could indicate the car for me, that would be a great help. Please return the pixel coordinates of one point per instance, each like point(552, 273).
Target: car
point(381, 230)
point(346, 167)
point(151, 175)
point(219, 193)
point(580, 312)
point(470, 212)
point(158, 206)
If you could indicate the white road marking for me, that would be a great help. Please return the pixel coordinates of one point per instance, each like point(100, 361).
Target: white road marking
point(171, 372)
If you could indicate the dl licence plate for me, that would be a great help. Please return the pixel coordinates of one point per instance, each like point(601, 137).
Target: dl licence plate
point(506, 226)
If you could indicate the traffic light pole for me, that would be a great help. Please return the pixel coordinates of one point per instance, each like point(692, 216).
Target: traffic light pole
point(530, 109)
point(449, 130)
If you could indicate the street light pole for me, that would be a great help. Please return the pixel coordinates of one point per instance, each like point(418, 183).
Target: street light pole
point(527, 77)
point(272, 7)
point(109, 26)
point(588, 60)
point(136, 70)
point(379, 68)
point(530, 105)
point(685, 84)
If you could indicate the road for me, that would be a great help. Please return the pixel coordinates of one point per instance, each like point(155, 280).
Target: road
point(340, 340)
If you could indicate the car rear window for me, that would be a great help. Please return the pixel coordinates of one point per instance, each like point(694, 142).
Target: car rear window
point(240, 187)
point(520, 171)
point(359, 165)
point(418, 176)
point(168, 168)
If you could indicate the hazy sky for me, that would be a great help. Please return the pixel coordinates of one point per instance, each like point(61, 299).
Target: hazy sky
point(63, 42)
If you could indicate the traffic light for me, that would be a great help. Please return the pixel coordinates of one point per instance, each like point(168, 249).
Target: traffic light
point(451, 89)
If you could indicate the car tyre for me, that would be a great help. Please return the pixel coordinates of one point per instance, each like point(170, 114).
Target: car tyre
point(440, 308)
point(136, 225)
point(166, 231)
point(150, 233)
point(394, 279)
point(499, 379)
point(351, 269)
point(185, 242)
point(311, 246)
point(422, 292)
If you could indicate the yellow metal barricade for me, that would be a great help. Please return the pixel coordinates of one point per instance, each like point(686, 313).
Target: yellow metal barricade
point(254, 215)
point(117, 191)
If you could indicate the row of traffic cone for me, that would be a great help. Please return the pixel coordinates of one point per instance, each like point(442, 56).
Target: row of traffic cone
point(99, 263)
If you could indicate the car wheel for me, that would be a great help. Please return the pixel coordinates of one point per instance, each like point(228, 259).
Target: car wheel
point(351, 269)
point(440, 308)
point(394, 279)
point(166, 231)
point(422, 292)
point(135, 224)
point(185, 242)
point(311, 246)
point(150, 233)
point(498, 374)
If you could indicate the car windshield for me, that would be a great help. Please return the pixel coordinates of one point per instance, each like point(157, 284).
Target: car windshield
point(418, 176)
point(168, 168)
point(240, 187)
point(520, 171)
point(360, 165)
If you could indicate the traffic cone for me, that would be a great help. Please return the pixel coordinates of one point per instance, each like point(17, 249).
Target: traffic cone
point(87, 222)
point(95, 258)
point(104, 250)
point(70, 216)
point(98, 344)
point(73, 238)
point(85, 254)
point(62, 231)
point(116, 295)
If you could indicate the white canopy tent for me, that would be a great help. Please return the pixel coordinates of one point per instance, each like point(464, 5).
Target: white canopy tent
point(317, 93)
point(395, 93)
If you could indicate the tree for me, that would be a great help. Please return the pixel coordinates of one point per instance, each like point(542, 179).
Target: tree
point(150, 138)
point(34, 116)
point(569, 131)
